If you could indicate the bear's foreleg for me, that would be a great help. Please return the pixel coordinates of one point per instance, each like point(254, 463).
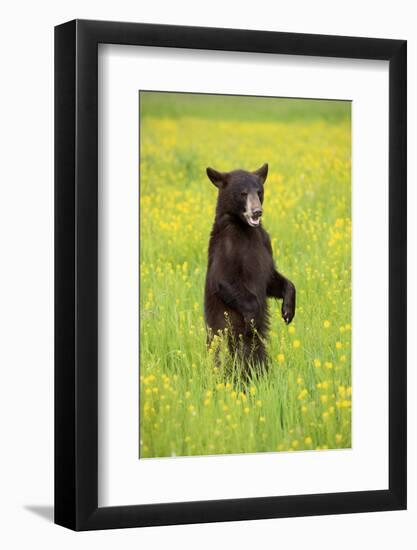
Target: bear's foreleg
point(239, 299)
point(280, 287)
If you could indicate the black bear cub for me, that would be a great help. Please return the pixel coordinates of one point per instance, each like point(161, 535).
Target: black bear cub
point(241, 273)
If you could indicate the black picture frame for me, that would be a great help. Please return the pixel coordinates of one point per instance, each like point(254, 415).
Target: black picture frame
point(76, 272)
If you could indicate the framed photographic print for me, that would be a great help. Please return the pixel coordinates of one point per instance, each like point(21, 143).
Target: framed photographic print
point(230, 254)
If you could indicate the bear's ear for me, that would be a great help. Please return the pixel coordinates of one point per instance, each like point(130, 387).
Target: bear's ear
point(218, 178)
point(262, 172)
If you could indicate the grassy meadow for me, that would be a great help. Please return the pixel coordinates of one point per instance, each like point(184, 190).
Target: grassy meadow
point(188, 406)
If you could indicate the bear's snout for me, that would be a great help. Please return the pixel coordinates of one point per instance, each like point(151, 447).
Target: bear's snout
point(253, 210)
point(257, 214)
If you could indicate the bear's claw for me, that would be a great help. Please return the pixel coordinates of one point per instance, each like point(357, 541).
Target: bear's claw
point(287, 315)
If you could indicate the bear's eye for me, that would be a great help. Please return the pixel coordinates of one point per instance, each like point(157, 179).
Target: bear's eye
point(260, 194)
point(243, 194)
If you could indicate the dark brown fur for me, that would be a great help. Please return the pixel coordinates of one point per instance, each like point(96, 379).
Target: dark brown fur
point(241, 272)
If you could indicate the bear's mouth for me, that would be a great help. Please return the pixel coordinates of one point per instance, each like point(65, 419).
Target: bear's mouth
point(253, 222)
point(253, 219)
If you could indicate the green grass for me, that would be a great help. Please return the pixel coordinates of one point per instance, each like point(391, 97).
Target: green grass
point(260, 109)
point(187, 406)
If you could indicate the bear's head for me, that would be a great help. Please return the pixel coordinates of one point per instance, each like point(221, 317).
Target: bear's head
point(241, 193)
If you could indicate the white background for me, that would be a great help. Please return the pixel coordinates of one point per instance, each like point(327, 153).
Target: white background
point(123, 479)
point(26, 301)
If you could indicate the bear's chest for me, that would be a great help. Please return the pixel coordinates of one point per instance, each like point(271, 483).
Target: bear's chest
point(252, 260)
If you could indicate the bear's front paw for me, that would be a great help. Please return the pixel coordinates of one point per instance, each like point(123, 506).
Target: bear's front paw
point(287, 313)
point(249, 318)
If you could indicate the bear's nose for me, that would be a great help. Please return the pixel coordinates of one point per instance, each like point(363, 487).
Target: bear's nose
point(257, 213)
